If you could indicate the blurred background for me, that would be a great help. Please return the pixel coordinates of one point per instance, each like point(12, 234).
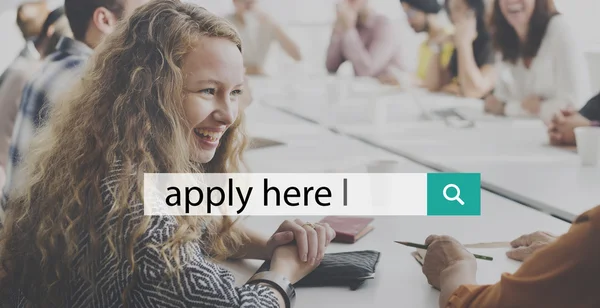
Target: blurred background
point(309, 23)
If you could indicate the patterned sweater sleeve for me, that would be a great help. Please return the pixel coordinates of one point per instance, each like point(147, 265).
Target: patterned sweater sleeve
point(201, 283)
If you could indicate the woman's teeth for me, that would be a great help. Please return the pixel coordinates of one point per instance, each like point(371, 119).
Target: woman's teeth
point(515, 8)
point(209, 135)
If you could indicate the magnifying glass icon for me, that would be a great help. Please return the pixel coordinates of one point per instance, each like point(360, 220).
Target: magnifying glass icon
point(456, 197)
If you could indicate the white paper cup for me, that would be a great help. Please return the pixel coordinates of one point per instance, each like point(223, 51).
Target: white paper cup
point(588, 144)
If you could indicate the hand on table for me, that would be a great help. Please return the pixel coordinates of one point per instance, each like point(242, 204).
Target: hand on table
point(527, 244)
point(311, 242)
point(561, 129)
point(452, 88)
point(493, 105)
point(532, 104)
point(388, 79)
point(443, 254)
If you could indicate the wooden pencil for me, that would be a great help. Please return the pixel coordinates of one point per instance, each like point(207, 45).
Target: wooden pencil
point(421, 246)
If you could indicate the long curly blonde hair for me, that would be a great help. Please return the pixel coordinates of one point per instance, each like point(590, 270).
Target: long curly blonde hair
point(127, 107)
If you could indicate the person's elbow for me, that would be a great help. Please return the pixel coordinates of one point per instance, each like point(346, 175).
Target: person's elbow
point(472, 92)
point(477, 90)
point(331, 66)
point(296, 54)
point(365, 71)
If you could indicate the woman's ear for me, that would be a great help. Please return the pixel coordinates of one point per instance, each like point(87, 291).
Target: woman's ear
point(104, 20)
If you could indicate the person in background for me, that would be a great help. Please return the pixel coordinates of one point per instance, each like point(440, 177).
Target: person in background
point(561, 129)
point(161, 95)
point(437, 49)
point(368, 40)
point(564, 273)
point(258, 30)
point(19, 73)
point(471, 72)
point(543, 67)
point(90, 22)
point(30, 19)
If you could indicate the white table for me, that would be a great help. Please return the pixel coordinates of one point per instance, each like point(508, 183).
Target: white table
point(312, 148)
point(398, 275)
point(512, 155)
point(514, 161)
point(309, 148)
point(564, 190)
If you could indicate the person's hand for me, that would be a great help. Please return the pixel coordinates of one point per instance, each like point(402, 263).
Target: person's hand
point(561, 129)
point(285, 262)
point(451, 88)
point(443, 253)
point(346, 16)
point(493, 105)
point(527, 244)
point(388, 79)
point(466, 30)
point(532, 104)
point(310, 241)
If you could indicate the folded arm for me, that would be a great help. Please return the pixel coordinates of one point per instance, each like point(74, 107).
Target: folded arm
point(288, 45)
point(369, 61)
point(474, 81)
point(335, 58)
point(200, 283)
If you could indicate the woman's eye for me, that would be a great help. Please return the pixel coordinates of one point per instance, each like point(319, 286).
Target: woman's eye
point(208, 91)
point(237, 92)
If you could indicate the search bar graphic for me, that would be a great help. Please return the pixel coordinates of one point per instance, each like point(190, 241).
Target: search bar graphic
point(313, 194)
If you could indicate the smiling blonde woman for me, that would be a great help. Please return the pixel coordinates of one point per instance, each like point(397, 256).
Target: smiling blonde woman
point(161, 96)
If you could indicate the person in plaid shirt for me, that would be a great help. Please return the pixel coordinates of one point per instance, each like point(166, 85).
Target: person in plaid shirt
point(90, 21)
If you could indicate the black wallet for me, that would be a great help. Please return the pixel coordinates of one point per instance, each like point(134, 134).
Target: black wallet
point(347, 269)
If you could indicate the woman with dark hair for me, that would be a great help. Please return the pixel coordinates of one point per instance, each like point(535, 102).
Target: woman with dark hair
point(543, 66)
point(470, 72)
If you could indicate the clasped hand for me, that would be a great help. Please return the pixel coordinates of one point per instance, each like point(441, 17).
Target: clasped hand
point(311, 242)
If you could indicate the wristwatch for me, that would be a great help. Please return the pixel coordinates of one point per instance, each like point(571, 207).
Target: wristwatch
point(279, 282)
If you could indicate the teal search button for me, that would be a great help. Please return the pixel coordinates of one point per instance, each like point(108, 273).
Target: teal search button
point(453, 194)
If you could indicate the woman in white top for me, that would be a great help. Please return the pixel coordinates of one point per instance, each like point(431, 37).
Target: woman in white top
point(543, 68)
point(258, 30)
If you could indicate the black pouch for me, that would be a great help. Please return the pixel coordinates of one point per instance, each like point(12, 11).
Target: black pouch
point(346, 269)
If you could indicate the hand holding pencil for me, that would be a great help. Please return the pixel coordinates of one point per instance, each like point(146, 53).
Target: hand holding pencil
point(421, 246)
point(443, 253)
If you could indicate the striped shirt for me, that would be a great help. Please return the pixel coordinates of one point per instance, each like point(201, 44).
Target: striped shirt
point(58, 71)
point(202, 282)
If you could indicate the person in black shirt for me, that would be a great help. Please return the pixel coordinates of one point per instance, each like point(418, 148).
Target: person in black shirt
point(561, 129)
point(471, 71)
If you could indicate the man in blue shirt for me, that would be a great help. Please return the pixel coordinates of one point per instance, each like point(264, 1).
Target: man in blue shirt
point(91, 21)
